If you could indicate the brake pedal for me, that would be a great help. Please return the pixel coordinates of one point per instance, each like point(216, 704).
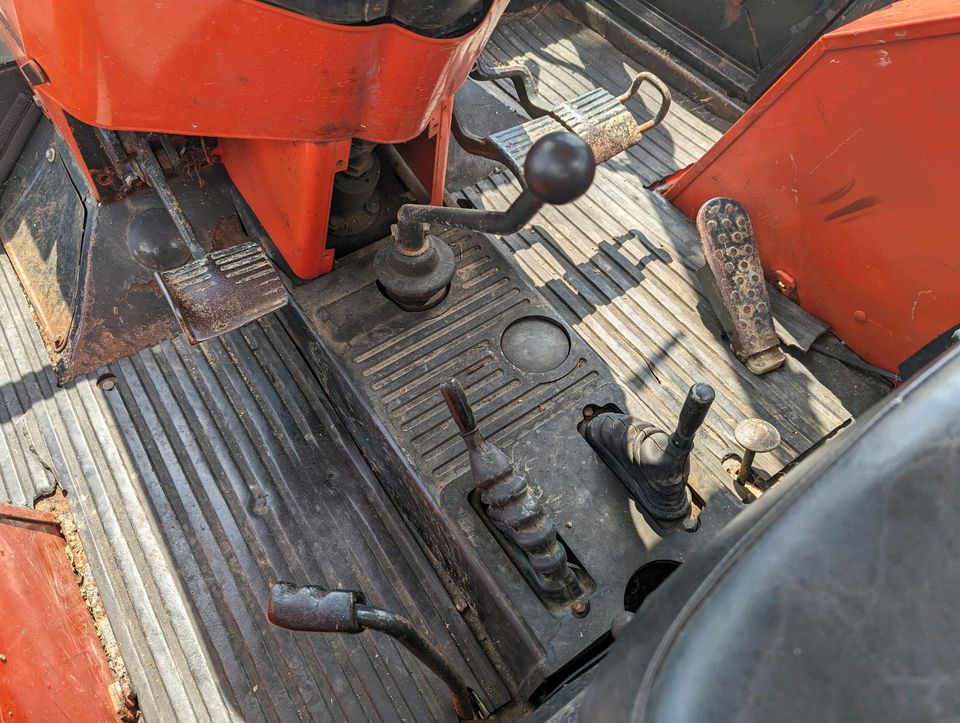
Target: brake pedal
point(599, 118)
point(222, 291)
point(730, 247)
point(218, 291)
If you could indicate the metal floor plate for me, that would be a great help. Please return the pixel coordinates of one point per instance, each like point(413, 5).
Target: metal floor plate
point(206, 474)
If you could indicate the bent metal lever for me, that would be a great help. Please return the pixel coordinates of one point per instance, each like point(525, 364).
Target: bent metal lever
point(314, 609)
point(417, 268)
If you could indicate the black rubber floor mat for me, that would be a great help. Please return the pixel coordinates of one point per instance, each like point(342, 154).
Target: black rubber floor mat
point(529, 378)
point(204, 475)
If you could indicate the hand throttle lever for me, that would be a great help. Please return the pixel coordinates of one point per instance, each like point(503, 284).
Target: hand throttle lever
point(313, 609)
point(416, 269)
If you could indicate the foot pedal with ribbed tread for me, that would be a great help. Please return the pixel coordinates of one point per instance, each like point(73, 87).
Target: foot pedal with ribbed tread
point(598, 117)
point(223, 291)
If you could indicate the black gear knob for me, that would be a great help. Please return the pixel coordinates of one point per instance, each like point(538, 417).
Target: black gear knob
point(692, 415)
point(417, 270)
point(559, 168)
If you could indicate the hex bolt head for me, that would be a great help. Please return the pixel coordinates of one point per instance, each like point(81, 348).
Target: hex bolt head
point(107, 382)
point(580, 608)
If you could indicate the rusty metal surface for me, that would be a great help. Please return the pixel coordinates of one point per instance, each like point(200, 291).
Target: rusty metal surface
point(223, 291)
point(41, 226)
point(88, 268)
point(570, 60)
point(599, 118)
point(730, 248)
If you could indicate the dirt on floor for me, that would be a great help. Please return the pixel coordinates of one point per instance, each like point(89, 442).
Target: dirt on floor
point(123, 696)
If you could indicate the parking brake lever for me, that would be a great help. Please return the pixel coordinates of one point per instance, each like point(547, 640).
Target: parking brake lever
point(417, 268)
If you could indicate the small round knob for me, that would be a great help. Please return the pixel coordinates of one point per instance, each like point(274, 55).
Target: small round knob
point(756, 435)
point(559, 168)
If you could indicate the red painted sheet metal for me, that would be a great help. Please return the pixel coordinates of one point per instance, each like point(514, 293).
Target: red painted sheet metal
point(239, 68)
point(52, 666)
point(288, 184)
point(849, 168)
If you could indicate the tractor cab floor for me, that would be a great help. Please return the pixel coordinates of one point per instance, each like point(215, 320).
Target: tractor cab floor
point(619, 264)
point(200, 475)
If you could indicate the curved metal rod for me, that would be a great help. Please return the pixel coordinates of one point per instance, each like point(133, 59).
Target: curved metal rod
point(401, 629)
point(665, 97)
point(523, 83)
point(477, 146)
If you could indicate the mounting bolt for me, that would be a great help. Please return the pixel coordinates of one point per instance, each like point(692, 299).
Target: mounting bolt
point(107, 382)
point(860, 316)
point(691, 523)
point(754, 435)
point(580, 608)
point(51, 154)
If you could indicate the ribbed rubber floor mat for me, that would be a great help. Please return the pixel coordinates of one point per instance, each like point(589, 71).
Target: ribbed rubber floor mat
point(206, 474)
point(619, 267)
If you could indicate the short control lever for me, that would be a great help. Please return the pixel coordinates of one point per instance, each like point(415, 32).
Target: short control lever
point(514, 509)
point(416, 269)
point(653, 466)
point(314, 609)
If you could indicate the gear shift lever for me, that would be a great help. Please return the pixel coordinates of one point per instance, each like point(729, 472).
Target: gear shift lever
point(416, 269)
point(652, 465)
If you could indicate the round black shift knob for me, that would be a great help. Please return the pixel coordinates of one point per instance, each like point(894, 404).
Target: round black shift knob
point(559, 168)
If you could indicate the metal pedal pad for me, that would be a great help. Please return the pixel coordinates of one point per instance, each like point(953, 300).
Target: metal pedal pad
point(510, 146)
point(726, 235)
point(222, 291)
point(598, 117)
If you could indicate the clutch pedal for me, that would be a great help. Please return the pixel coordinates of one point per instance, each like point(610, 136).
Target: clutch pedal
point(599, 118)
point(222, 291)
point(218, 291)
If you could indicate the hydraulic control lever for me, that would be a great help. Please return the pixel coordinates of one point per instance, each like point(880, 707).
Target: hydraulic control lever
point(416, 269)
point(514, 509)
point(653, 466)
point(314, 609)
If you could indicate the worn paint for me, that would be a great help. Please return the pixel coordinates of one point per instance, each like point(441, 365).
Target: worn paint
point(848, 166)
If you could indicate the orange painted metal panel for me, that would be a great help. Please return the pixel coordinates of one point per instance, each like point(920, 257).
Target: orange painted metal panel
point(239, 68)
point(53, 668)
point(288, 184)
point(848, 166)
